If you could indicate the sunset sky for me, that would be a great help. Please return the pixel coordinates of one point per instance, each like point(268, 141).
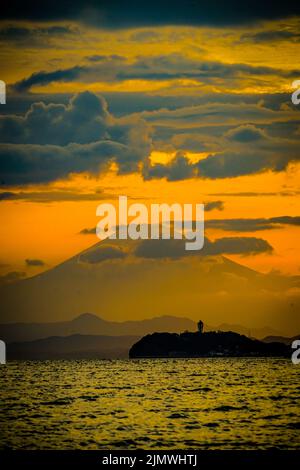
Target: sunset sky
point(193, 107)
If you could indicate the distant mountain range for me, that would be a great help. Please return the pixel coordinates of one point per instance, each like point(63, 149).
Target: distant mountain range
point(119, 347)
point(90, 337)
point(72, 347)
point(90, 324)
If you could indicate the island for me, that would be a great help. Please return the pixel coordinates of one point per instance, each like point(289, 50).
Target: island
point(208, 344)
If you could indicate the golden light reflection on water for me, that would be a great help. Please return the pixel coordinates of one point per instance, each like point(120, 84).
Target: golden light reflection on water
point(150, 404)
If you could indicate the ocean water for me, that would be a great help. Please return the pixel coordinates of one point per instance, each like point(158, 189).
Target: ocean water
point(219, 403)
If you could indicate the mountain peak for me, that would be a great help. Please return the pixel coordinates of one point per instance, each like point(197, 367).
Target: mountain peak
point(87, 317)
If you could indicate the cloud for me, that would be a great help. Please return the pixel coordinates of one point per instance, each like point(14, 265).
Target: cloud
point(209, 206)
point(214, 205)
point(44, 78)
point(285, 220)
point(221, 165)
point(228, 245)
point(83, 120)
point(41, 36)
point(125, 103)
point(288, 193)
point(45, 163)
point(233, 164)
point(252, 225)
point(34, 262)
point(234, 225)
point(108, 14)
point(88, 231)
point(12, 276)
point(179, 168)
point(221, 114)
point(6, 196)
point(224, 131)
point(147, 36)
point(102, 253)
point(83, 136)
point(101, 57)
point(245, 134)
point(130, 102)
point(113, 68)
point(79, 137)
point(238, 245)
point(54, 196)
point(271, 36)
point(162, 249)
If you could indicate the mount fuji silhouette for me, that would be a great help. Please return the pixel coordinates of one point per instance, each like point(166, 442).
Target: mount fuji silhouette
point(122, 281)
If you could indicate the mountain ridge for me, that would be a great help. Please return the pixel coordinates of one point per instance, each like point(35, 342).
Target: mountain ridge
point(72, 347)
point(91, 324)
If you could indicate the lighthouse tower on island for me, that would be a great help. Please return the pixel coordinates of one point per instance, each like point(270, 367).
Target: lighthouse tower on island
point(200, 327)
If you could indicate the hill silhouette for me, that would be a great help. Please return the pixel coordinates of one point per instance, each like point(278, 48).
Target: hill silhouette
point(72, 347)
point(280, 339)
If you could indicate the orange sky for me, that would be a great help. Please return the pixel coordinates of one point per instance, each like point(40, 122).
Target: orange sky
point(50, 230)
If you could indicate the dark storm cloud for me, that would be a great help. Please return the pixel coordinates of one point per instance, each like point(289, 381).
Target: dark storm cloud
point(31, 262)
point(252, 225)
point(228, 245)
point(116, 14)
point(102, 253)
